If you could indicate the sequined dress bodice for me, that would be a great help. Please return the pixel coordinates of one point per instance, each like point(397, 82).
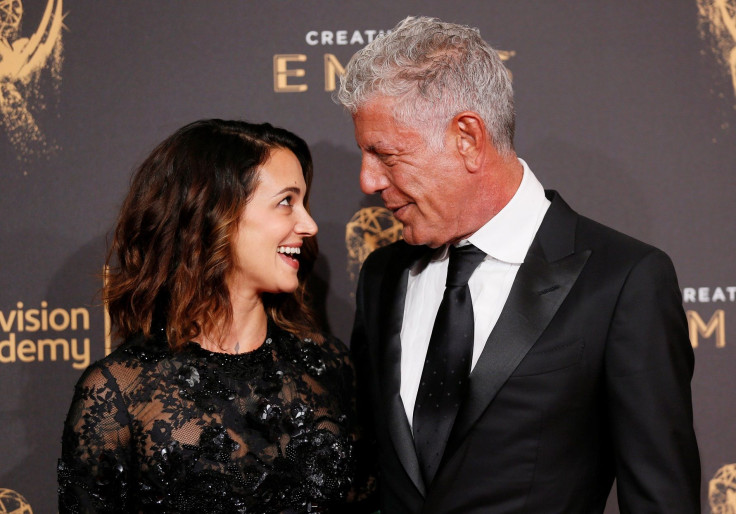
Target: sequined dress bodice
point(269, 431)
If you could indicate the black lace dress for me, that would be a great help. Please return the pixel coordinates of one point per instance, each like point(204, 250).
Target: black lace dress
point(263, 432)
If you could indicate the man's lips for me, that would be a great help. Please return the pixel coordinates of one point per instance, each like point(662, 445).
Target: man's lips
point(398, 210)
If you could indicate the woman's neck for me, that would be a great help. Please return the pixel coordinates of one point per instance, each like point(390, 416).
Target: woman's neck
point(247, 330)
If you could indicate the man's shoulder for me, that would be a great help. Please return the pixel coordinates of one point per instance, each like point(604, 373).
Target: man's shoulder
point(592, 234)
point(596, 235)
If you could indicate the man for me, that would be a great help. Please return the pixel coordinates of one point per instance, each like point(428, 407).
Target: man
point(567, 367)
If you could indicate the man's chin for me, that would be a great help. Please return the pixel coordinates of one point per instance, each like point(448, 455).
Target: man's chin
point(416, 238)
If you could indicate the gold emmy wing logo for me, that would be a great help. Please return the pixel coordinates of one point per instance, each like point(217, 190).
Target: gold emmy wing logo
point(722, 491)
point(13, 503)
point(370, 228)
point(22, 59)
point(718, 17)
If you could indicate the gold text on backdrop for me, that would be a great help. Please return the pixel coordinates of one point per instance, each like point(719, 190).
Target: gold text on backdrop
point(709, 298)
point(23, 330)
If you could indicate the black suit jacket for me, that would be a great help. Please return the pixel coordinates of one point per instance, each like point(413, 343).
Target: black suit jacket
point(585, 377)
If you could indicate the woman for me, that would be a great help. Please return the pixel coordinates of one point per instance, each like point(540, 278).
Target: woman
point(224, 396)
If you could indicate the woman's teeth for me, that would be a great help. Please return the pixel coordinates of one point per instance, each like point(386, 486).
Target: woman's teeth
point(289, 250)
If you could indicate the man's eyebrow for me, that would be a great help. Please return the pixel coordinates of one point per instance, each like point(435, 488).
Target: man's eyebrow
point(374, 148)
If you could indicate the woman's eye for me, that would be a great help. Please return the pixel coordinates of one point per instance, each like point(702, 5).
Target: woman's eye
point(286, 201)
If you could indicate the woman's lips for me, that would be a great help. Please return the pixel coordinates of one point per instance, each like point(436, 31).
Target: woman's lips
point(291, 261)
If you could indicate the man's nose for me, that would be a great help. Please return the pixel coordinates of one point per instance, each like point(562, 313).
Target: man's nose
point(373, 179)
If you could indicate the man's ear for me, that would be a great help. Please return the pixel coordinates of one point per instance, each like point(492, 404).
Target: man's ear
point(471, 138)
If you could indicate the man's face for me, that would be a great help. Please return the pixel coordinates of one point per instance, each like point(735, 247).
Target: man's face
point(421, 186)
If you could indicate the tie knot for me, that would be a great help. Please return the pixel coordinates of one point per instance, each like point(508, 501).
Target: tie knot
point(463, 261)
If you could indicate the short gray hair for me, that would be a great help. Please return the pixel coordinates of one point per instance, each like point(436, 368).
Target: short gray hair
point(437, 70)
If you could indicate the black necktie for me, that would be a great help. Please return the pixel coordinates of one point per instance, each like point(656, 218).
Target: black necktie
point(446, 369)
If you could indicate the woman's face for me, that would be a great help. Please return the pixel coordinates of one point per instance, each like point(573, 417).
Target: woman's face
point(272, 228)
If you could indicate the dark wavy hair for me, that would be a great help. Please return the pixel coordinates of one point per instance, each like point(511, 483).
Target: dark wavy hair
point(172, 247)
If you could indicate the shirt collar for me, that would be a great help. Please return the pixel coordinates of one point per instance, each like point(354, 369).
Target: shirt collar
point(509, 234)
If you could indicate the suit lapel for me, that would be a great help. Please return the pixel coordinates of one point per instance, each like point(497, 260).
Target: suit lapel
point(549, 271)
point(393, 294)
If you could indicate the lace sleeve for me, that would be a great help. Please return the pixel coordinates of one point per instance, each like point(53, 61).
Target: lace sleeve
point(94, 465)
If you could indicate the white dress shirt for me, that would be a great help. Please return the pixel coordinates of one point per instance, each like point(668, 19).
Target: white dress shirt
point(505, 239)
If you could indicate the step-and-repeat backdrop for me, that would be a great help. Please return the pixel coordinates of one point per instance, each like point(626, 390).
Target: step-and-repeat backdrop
point(626, 107)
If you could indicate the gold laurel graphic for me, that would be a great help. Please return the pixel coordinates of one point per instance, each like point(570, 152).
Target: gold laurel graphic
point(718, 18)
point(12, 502)
point(506, 55)
point(369, 228)
point(22, 60)
point(722, 490)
